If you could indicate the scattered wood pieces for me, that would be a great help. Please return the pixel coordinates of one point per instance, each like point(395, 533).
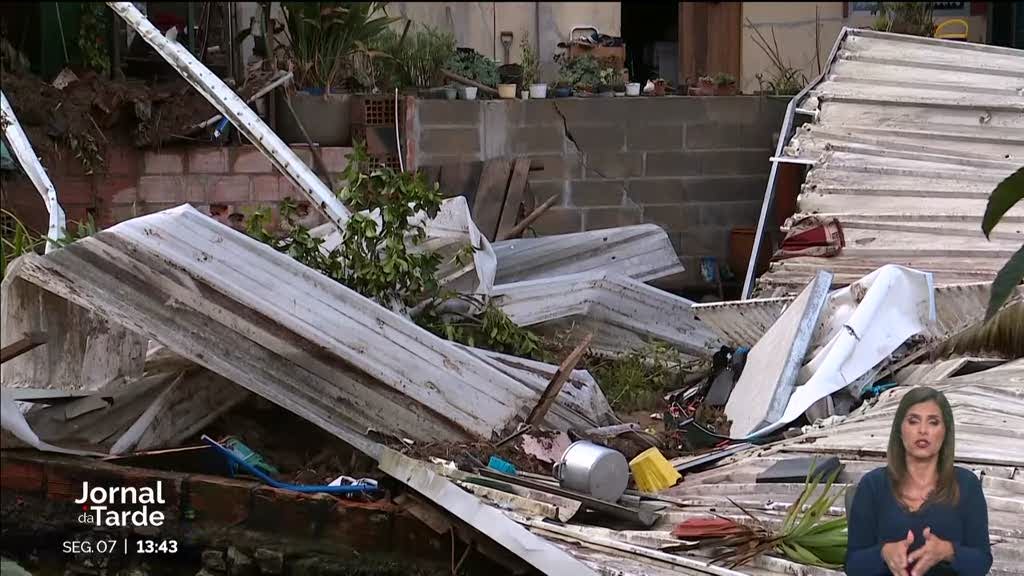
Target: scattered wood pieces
point(530, 219)
point(547, 398)
point(22, 345)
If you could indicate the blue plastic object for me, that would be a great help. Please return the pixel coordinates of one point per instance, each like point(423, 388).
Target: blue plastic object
point(237, 461)
point(502, 466)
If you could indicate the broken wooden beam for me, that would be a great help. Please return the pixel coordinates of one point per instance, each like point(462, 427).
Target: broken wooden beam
point(555, 386)
point(22, 345)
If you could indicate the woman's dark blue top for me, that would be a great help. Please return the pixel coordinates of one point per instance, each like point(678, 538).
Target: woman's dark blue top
point(876, 517)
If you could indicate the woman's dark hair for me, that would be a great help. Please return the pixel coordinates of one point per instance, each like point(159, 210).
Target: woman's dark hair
point(946, 489)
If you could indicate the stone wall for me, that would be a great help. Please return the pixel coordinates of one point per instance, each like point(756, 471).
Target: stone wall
point(695, 166)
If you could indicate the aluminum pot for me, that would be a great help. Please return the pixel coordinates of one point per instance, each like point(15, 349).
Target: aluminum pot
point(593, 469)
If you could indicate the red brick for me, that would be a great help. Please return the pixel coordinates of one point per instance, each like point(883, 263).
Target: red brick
point(251, 160)
point(304, 153)
point(208, 161)
point(25, 477)
point(123, 160)
point(164, 162)
point(218, 501)
point(335, 158)
point(286, 189)
point(265, 188)
point(74, 190)
point(122, 212)
point(197, 186)
point(362, 527)
point(162, 189)
point(229, 189)
point(115, 188)
point(292, 513)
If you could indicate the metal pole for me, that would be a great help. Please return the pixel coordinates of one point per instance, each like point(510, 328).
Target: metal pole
point(769, 192)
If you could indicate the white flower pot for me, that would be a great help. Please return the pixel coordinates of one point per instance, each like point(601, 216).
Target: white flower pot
point(468, 92)
point(633, 89)
point(539, 91)
point(524, 94)
point(507, 91)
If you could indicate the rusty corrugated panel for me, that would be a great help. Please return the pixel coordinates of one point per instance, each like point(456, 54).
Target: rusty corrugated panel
point(907, 138)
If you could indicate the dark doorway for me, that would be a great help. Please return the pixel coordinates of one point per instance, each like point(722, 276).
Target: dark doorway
point(650, 31)
point(1008, 24)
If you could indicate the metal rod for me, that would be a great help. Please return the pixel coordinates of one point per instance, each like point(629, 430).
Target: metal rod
point(769, 192)
point(282, 79)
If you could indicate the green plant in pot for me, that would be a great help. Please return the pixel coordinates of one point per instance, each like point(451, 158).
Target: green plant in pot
point(320, 45)
point(531, 70)
point(582, 72)
point(411, 60)
point(472, 65)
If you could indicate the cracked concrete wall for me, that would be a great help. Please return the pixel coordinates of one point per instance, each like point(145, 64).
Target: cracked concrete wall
point(696, 166)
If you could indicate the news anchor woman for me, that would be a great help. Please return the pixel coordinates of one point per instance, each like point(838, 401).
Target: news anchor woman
point(919, 515)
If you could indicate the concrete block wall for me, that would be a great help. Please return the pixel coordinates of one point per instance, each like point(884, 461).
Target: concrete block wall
point(226, 183)
point(695, 166)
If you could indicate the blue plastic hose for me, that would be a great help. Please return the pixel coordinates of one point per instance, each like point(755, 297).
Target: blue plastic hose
point(236, 460)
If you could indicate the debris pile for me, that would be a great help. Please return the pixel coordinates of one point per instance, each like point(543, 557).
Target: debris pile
point(211, 353)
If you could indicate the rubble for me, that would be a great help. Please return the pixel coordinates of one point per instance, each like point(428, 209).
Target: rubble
point(231, 323)
point(620, 312)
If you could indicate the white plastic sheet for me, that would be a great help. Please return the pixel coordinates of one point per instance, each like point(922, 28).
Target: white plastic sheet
point(861, 325)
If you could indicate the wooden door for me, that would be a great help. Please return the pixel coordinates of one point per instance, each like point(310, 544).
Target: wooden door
point(709, 39)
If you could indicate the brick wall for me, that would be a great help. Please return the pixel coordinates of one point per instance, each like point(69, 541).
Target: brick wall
point(695, 166)
point(221, 182)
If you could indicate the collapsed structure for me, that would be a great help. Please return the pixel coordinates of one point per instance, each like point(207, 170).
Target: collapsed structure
point(224, 316)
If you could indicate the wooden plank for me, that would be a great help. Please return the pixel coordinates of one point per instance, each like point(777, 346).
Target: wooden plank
point(514, 197)
point(460, 180)
point(557, 381)
point(490, 196)
point(518, 229)
point(724, 38)
point(22, 345)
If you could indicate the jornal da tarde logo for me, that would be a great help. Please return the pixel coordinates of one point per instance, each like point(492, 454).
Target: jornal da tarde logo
point(121, 506)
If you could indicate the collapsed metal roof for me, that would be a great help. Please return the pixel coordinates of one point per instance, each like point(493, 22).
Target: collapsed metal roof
point(988, 406)
point(908, 137)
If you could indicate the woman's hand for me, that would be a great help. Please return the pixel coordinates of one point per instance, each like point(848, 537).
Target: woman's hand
point(895, 555)
point(935, 550)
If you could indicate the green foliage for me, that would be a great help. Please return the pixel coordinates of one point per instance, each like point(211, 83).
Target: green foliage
point(580, 72)
point(92, 37)
point(528, 61)
point(636, 381)
point(323, 38)
point(806, 537)
point(1008, 193)
point(723, 79)
point(489, 328)
point(411, 59)
point(783, 79)
point(17, 240)
point(474, 66)
point(378, 259)
point(916, 18)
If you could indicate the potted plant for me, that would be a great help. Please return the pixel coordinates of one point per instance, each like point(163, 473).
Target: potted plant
point(531, 67)
point(582, 73)
point(606, 79)
point(472, 65)
point(725, 84)
point(321, 40)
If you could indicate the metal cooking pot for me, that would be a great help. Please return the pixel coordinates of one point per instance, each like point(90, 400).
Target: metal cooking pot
point(593, 469)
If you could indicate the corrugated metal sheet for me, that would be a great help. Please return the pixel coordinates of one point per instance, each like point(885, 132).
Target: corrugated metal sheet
point(908, 137)
point(270, 324)
point(744, 322)
point(643, 252)
point(989, 411)
point(621, 313)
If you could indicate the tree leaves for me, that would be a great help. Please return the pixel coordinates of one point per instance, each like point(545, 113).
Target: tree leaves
point(1007, 193)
